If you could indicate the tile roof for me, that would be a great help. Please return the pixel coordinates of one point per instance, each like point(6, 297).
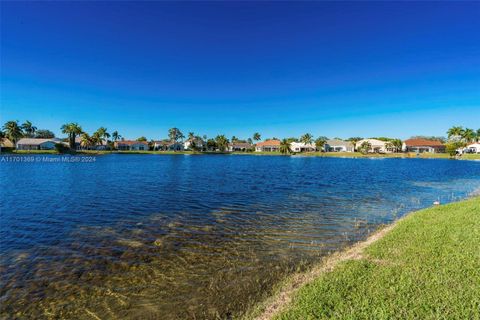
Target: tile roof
point(130, 142)
point(34, 141)
point(268, 143)
point(423, 143)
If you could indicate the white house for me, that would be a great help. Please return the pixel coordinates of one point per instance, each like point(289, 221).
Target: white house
point(376, 146)
point(335, 145)
point(131, 145)
point(197, 142)
point(471, 148)
point(302, 147)
point(35, 144)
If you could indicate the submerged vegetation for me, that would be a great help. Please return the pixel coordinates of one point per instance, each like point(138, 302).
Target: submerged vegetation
point(426, 267)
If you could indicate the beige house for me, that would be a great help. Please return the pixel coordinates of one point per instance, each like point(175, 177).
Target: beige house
point(302, 147)
point(376, 146)
point(131, 145)
point(5, 143)
point(268, 146)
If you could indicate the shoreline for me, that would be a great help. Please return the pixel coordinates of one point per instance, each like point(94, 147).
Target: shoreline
point(283, 295)
point(348, 155)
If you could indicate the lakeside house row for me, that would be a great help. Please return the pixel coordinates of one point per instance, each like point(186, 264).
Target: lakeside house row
point(330, 145)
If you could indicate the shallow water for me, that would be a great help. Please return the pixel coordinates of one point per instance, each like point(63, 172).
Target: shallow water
point(169, 237)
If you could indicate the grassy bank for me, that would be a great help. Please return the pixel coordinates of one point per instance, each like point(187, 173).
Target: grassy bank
point(310, 154)
point(426, 266)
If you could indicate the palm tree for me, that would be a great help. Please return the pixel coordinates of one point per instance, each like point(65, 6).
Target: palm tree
point(73, 130)
point(365, 147)
point(307, 138)
point(468, 135)
point(86, 140)
point(478, 135)
point(221, 142)
point(320, 142)
point(12, 131)
point(257, 136)
point(234, 139)
point(191, 136)
point(101, 135)
point(455, 132)
point(29, 129)
point(116, 136)
point(285, 147)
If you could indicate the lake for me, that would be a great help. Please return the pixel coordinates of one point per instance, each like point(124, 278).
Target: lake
point(184, 236)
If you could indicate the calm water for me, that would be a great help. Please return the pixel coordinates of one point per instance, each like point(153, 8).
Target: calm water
point(172, 237)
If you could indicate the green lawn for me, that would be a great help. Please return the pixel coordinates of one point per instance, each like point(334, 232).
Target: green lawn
point(312, 154)
point(427, 267)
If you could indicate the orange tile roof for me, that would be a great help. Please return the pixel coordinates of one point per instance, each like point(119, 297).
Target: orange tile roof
point(269, 143)
point(423, 143)
point(130, 142)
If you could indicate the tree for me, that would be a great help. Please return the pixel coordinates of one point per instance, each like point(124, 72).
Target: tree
point(142, 139)
point(12, 131)
point(73, 130)
point(191, 136)
point(455, 133)
point(175, 135)
point(320, 142)
point(285, 147)
point(29, 129)
point(44, 134)
point(257, 136)
point(234, 139)
point(468, 135)
point(221, 142)
point(478, 135)
point(397, 144)
point(249, 140)
point(116, 136)
point(100, 136)
point(452, 146)
point(211, 144)
point(354, 140)
point(365, 147)
point(86, 141)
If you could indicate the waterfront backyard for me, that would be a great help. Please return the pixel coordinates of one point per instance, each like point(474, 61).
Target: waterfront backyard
point(427, 266)
point(147, 236)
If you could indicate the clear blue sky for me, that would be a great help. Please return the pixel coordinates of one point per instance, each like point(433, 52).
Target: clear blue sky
point(282, 69)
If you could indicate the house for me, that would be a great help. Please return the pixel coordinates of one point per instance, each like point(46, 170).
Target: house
point(167, 145)
point(376, 146)
point(131, 145)
point(268, 146)
point(336, 145)
point(197, 142)
point(423, 145)
point(79, 145)
point(5, 143)
point(240, 146)
point(35, 144)
point(471, 148)
point(302, 147)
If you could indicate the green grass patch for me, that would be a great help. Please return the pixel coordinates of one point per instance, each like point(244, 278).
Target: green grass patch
point(427, 267)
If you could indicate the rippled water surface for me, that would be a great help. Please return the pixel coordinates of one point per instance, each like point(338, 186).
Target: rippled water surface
point(195, 237)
